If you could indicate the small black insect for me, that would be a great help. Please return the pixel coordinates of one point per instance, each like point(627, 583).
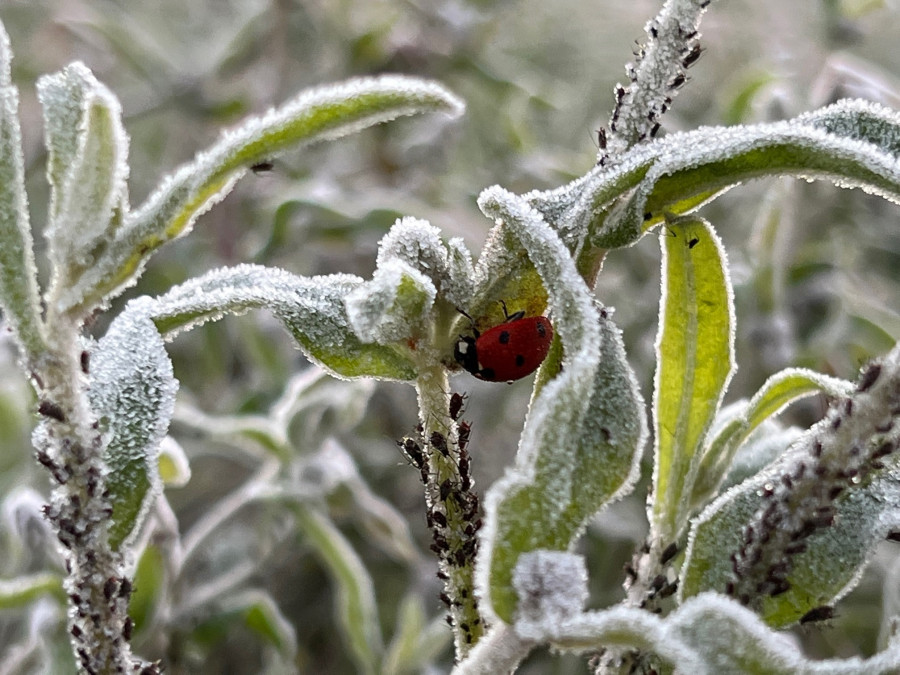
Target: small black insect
point(262, 167)
point(691, 57)
point(51, 410)
point(816, 614)
point(457, 401)
point(869, 377)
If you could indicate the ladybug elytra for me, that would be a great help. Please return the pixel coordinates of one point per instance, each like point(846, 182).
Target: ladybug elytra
point(508, 351)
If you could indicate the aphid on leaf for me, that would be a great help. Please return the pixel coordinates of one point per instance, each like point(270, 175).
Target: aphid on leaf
point(508, 351)
point(823, 613)
point(262, 167)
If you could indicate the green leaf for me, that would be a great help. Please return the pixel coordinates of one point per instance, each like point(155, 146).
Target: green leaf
point(695, 362)
point(779, 391)
point(262, 616)
point(708, 634)
point(417, 642)
point(585, 428)
point(87, 168)
point(853, 144)
point(23, 590)
point(311, 309)
point(323, 113)
point(133, 394)
point(393, 306)
point(695, 166)
point(149, 587)
point(357, 610)
point(18, 273)
point(797, 535)
point(825, 572)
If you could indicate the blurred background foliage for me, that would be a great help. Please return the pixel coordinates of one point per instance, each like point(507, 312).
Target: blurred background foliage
point(816, 269)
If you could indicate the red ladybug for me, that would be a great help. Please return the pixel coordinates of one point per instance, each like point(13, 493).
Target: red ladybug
point(508, 351)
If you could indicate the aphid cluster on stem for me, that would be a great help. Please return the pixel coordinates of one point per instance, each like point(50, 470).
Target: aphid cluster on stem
point(452, 513)
point(802, 500)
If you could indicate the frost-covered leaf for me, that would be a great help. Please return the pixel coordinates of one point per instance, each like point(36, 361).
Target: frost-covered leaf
point(311, 309)
point(585, 428)
point(779, 391)
point(133, 394)
point(18, 273)
point(695, 361)
point(798, 534)
point(708, 634)
point(461, 284)
point(826, 571)
point(86, 167)
point(695, 166)
point(357, 611)
point(393, 306)
point(862, 120)
point(551, 585)
point(322, 113)
point(853, 144)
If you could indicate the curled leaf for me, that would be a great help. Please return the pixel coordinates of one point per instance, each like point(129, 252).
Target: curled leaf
point(585, 427)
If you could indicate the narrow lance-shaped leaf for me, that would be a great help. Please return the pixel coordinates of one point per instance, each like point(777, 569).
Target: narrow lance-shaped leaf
point(133, 394)
point(779, 391)
point(695, 166)
point(585, 428)
point(357, 611)
point(18, 273)
point(87, 167)
point(322, 113)
point(695, 361)
point(851, 143)
point(311, 309)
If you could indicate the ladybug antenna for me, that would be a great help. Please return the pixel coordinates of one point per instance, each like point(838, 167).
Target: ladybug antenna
point(467, 315)
point(515, 316)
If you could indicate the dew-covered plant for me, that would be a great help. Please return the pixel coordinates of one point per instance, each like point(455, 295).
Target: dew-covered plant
point(753, 526)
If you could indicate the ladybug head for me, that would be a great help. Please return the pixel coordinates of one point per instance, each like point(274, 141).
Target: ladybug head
point(466, 354)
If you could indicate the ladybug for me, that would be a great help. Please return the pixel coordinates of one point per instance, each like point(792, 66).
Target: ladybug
point(508, 351)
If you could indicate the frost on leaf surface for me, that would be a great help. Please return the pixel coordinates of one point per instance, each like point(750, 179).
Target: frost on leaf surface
point(87, 168)
point(585, 427)
point(833, 557)
point(694, 167)
point(311, 309)
point(132, 392)
point(709, 634)
point(551, 585)
point(18, 273)
point(321, 113)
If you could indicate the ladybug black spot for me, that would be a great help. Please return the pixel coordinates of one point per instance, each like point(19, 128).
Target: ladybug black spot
point(520, 360)
point(504, 337)
point(541, 329)
point(488, 374)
